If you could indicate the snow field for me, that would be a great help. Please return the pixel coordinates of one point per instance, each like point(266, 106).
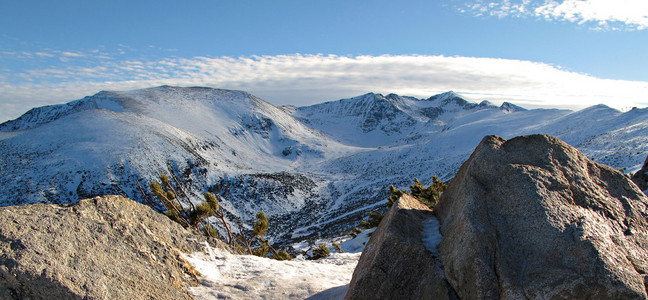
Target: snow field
point(230, 276)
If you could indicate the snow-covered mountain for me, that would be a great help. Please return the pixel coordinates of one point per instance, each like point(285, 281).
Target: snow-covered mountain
point(314, 170)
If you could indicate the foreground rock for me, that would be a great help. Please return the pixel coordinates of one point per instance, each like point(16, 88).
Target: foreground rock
point(641, 177)
point(532, 217)
point(102, 248)
point(395, 264)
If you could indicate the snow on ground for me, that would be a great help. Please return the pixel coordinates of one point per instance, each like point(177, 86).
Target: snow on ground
point(358, 243)
point(229, 276)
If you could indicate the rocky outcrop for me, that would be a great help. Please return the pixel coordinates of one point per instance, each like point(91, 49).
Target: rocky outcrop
point(103, 248)
point(640, 178)
point(395, 263)
point(533, 218)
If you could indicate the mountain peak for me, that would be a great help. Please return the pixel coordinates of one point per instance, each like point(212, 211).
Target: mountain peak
point(510, 107)
point(447, 97)
point(487, 103)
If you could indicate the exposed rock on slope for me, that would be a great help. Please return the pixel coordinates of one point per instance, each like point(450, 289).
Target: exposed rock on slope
point(395, 264)
point(103, 248)
point(532, 217)
point(641, 177)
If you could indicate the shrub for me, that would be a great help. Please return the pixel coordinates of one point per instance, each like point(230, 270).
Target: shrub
point(374, 220)
point(260, 227)
point(320, 252)
point(395, 194)
point(211, 231)
point(196, 215)
point(263, 249)
point(428, 196)
point(337, 247)
point(355, 231)
point(281, 255)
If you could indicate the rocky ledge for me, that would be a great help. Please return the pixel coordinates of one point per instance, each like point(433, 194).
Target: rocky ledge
point(102, 248)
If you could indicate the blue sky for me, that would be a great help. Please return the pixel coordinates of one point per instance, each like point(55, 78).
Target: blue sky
point(567, 53)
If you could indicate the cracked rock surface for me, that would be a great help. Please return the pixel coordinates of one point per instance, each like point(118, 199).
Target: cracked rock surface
point(102, 248)
point(534, 218)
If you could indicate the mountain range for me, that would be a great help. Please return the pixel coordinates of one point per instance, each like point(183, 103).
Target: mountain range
point(314, 170)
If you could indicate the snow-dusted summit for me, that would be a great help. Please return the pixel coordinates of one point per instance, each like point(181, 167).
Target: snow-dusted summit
point(314, 170)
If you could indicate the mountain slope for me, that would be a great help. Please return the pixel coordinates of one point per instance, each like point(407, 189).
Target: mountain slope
point(314, 170)
point(105, 144)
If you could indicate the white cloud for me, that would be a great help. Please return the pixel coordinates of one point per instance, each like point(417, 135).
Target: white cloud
point(599, 14)
point(308, 79)
point(44, 54)
point(72, 54)
point(605, 13)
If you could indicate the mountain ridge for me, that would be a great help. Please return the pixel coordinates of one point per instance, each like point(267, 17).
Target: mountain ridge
point(315, 170)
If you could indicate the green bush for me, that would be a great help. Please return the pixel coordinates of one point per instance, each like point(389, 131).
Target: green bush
point(374, 220)
point(281, 255)
point(194, 216)
point(260, 227)
point(320, 252)
point(428, 196)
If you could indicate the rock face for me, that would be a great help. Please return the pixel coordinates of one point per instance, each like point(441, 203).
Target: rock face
point(534, 218)
point(103, 248)
point(641, 177)
point(395, 264)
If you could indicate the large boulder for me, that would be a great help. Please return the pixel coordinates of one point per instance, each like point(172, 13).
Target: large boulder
point(103, 248)
point(640, 178)
point(395, 263)
point(533, 218)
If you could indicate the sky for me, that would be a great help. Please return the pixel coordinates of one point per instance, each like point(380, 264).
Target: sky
point(543, 53)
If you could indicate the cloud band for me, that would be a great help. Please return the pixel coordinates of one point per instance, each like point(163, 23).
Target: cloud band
point(307, 79)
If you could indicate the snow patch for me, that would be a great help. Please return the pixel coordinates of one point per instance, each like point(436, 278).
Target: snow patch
point(431, 235)
point(357, 244)
point(230, 276)
point(431, 239)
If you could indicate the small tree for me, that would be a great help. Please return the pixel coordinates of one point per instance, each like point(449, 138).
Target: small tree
point(320, 252)
point(260, 227)
point(218, 212)
point(174, 210)
point(196, 215)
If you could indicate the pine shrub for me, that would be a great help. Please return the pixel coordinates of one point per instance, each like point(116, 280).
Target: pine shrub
point(428, 196)
point(281, 255)
point(320, 252)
